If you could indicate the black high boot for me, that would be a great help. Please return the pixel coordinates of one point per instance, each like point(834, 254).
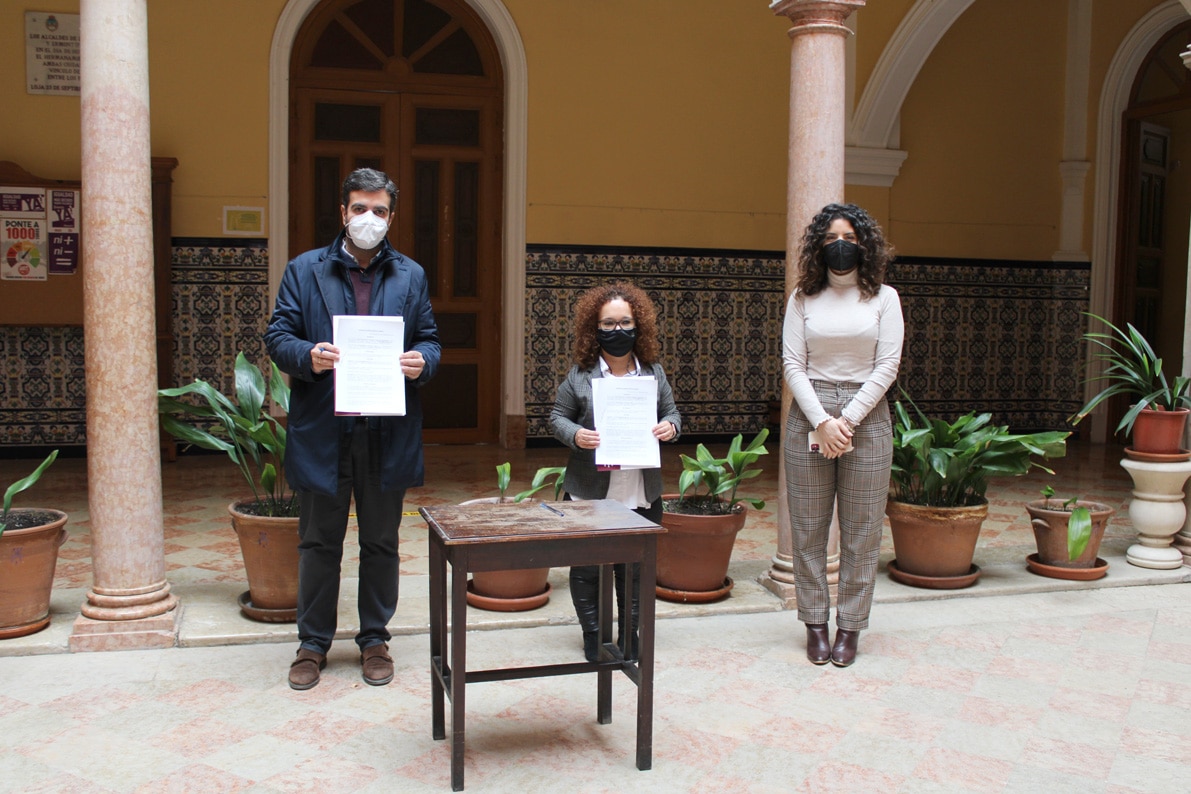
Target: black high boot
point(634, 612)
point(585, 595)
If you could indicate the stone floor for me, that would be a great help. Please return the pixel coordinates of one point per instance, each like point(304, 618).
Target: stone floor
point(1017, 683)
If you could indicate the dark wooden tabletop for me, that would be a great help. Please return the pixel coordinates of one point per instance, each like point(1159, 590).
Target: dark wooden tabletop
point(533, 520)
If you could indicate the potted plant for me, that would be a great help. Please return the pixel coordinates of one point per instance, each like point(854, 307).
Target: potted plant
point(938, 481)
point(701, 529)
point(267, 522)
point(521, 589)
point(1158, 416)
point(1068, 535)
point(29, 541)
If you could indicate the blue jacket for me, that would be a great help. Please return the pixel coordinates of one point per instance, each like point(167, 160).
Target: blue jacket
point(313, 290)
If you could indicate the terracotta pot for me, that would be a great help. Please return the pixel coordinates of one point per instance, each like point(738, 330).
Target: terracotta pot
point(1050, 533)
point(1160, 432)
point(520, 583)
point(694, 551)
point(269, 546)
point(935, 541)
point(27, 561)
point(512, 590)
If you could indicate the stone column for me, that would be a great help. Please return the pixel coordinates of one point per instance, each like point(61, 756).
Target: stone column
point(129, 604)
point(818, 71)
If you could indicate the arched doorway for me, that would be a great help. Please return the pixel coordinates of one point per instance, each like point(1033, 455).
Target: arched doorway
point(1155, 198)
point(415, 88)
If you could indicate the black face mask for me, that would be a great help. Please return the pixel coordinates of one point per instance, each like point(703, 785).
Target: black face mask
point(841, 255)
point(617, 342)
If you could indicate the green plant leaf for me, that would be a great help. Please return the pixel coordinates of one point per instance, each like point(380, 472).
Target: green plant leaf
point(1079, 532)
point(503, 477)
point(23, 484)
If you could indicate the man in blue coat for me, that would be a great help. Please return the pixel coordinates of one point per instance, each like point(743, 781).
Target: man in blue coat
point(329, 458)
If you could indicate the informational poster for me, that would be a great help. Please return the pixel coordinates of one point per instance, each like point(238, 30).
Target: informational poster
point(22, 202)
point(64, 231)
point(52, 53)
point(244, 220)
point(23, 245)
point(40, 228)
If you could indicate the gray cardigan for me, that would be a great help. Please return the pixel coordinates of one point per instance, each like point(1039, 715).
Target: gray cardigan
point(573, 411)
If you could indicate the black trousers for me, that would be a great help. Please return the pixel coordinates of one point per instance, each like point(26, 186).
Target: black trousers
point(585, 586)
point(322, 527)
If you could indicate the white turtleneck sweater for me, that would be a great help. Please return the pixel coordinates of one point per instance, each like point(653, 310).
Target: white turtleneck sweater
point(837, 336)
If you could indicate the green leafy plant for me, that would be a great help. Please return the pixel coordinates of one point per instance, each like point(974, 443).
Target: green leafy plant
point(540, 481)
point(243, 428)
point(1132, 368)
point(720, 476)
point(947, 464)
point(1079, 523)
point(504, 477)
point(21, 485)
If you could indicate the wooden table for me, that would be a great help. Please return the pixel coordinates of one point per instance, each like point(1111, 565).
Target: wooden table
point(492, 537)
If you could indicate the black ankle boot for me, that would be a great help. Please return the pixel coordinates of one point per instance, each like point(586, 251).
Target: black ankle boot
point(591, 645)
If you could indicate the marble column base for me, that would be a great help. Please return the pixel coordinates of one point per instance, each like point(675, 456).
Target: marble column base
point(779, 580)
point(1167, 558)
point(159, 631)
point(1183, 544)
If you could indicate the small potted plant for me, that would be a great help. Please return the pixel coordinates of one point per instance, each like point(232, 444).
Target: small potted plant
point(938, 481)
point(521, 589)
point(254, 440)
point(1158, 417)
point(701, 528)
point(1068, 535)
point(29, 541)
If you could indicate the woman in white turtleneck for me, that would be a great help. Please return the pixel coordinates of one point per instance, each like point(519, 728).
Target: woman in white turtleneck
point(841, 346)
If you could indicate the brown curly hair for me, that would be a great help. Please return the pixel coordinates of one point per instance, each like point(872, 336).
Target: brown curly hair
point(587, 317)
point(875, 253)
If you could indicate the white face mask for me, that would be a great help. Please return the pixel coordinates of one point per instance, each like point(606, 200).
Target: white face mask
point(367, 230)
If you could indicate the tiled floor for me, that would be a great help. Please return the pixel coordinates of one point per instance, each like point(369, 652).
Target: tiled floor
point(995, 688)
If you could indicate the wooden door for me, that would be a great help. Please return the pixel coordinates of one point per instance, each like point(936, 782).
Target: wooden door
point(413, 88)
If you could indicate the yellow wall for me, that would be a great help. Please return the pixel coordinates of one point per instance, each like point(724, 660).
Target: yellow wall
point(658, 123)
point(984, 133)
point(208, 84)
point(650, 123)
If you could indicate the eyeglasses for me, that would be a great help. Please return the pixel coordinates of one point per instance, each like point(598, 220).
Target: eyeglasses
point(611, 325)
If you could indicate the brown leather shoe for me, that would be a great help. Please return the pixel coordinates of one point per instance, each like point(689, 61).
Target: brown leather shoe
point(378, 665)
point(303, 671)
point(818, 644)
point(843, 653)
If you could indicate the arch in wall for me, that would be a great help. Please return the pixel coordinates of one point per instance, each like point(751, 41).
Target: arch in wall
point(512, 53)
point(1114, 99)
point(874, 123)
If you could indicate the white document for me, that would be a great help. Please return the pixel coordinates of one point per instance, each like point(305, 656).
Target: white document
point(626, 410)
point(368, 379)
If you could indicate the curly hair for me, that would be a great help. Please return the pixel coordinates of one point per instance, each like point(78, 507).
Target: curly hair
point(587, 317)
point(875, 253)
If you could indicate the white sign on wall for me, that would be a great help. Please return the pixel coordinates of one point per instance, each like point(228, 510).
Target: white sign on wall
point(52, 53)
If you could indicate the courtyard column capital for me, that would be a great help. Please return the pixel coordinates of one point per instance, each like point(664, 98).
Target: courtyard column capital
point(817, 16)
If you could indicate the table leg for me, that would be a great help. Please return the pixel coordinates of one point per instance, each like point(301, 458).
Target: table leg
point(458, 666)
point(604, 674)
point(648, 609)
point(438, 632)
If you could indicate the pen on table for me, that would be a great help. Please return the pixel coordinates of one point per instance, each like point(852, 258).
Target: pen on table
point(553, 510)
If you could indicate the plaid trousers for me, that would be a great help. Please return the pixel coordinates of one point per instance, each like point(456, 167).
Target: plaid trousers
point(858, 482)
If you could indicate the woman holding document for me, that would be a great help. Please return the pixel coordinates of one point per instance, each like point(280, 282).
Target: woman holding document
point(615, 337)
point(841, 347)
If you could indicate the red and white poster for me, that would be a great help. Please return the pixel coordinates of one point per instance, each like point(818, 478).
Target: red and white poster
point(23, 250)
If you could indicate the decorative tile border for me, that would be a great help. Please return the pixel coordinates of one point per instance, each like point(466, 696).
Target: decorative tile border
point(986, 335)
point(983, 335)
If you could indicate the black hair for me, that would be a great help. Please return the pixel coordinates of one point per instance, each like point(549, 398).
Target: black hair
point(369, 180)
point(875, 253)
